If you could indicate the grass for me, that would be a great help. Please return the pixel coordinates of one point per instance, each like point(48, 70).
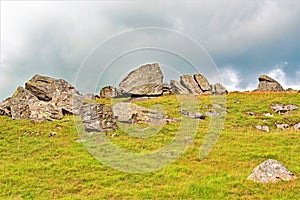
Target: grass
point(43, 167)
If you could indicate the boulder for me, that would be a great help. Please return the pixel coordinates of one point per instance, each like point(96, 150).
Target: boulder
point(263, 128)
point(90, 96)
point(5, 107)
point(58, 91)
point(189, 83)
point(108, 92)
point(144, 81)
point(202, 82)
point(271, 171)
point(282, 108)
point(297, 126)
point(131, 113)
point(218, 89)
point(194, 115)
point(166, 88)
point(267, 84)
point(97, 117)
point(177, 88)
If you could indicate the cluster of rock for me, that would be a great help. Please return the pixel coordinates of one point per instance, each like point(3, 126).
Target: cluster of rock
point(271, 171)
point(148, 81)
point(43, 98)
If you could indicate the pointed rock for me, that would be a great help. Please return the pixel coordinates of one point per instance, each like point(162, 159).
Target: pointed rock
point(202, 82)
point(189, 83)
point(267, 84)
point(271, 171)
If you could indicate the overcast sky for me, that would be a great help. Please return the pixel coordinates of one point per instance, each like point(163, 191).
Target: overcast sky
point(243, 38)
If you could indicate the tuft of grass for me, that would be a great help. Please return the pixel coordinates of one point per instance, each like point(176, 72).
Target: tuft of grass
point(42, 167)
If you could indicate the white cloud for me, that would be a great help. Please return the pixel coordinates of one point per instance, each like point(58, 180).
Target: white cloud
point(230, 78)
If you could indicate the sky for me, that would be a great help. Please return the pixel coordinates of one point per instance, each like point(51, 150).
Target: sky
point(93, 43)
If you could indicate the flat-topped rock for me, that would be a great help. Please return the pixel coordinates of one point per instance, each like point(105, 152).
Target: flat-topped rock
point(144, 81)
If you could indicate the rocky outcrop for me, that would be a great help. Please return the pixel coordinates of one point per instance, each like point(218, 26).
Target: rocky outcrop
point(144, 81)
point(97, 117)
point(218, 89)
point(267, 84)
point(131, 113)
point(108, 92)
point(190, 84)
point(271, 171)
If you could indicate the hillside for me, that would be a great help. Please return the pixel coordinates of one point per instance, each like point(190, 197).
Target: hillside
point(35, 165)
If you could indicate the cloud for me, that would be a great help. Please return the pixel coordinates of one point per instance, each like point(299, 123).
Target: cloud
point(231, 78)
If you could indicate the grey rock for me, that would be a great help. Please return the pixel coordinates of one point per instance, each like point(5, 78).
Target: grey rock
point(268, 84)
point(189, 83)
point(177, 88)
point(218, 89)
point(90, 96)
point(5, 108)
point(282, 108)
point(282, 126)
point(108, 92)
point(97, 117)
point(166, 88)
point(202, 82)
point(146, 80)
point(271, 171)
point(263, 128)
point(131, 113)
point(195, 115)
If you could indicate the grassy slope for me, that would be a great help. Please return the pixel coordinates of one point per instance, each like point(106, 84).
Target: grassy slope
point(43, 167)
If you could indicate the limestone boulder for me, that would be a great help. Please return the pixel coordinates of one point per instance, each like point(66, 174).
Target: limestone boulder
point(271, 171)
point(267, 84)
point(190, 84)
point(144, 81)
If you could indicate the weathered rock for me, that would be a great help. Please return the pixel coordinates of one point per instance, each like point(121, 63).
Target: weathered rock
point(90, 96)
point(218, 89)
point(108, 92)
point(195, 115)
point(5, 107)
point(268, 84)
point(58, 91)
point(297, 126)
point(132, 113)
point(263, 128)
point(189, 83)
point(282, 126)
point(177, 88)
point(271, 171)
point(166, 88)
point(202, 82)
point(144, 81)
point(268, 115)
point(42, 111)
point(282, 108)
point(97, 117)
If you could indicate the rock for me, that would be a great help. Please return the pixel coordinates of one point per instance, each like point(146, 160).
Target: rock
point(42, 111)
point(189, 83)
point(268, 115)
point(237, 101)
point(267, 84)
point(218, 89)
point(5, 107)
point(52, 134)
point(177, 88)
point(97, 117)
point(58, 91)
point(90, 96)
point(282, 126)
point(144, 81)
point(108, 92)
point(271, 171)
point(282, 108)
point(297, 126)
point(132, 113)
point(195, 115)
point(250, 113)
point(166, 88)
point(202, 82)
point(212, 113)
point(263, 128)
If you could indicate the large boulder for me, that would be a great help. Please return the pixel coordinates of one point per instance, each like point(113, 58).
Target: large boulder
point(267, 84)
point(58, 91)
point(97, 117)
point(131, 113)
point(190, 83)
point(202, 82)
point(177, 88)
point(144, 81)
point(271, 171)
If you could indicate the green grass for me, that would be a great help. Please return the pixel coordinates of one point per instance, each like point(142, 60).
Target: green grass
point(43, 167)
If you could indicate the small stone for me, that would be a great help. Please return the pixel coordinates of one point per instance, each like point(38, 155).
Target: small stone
point(237, 101)
point(268, 115)
point(297, 126)
point(52, 134)
point(282, 126)
point(263, 128)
